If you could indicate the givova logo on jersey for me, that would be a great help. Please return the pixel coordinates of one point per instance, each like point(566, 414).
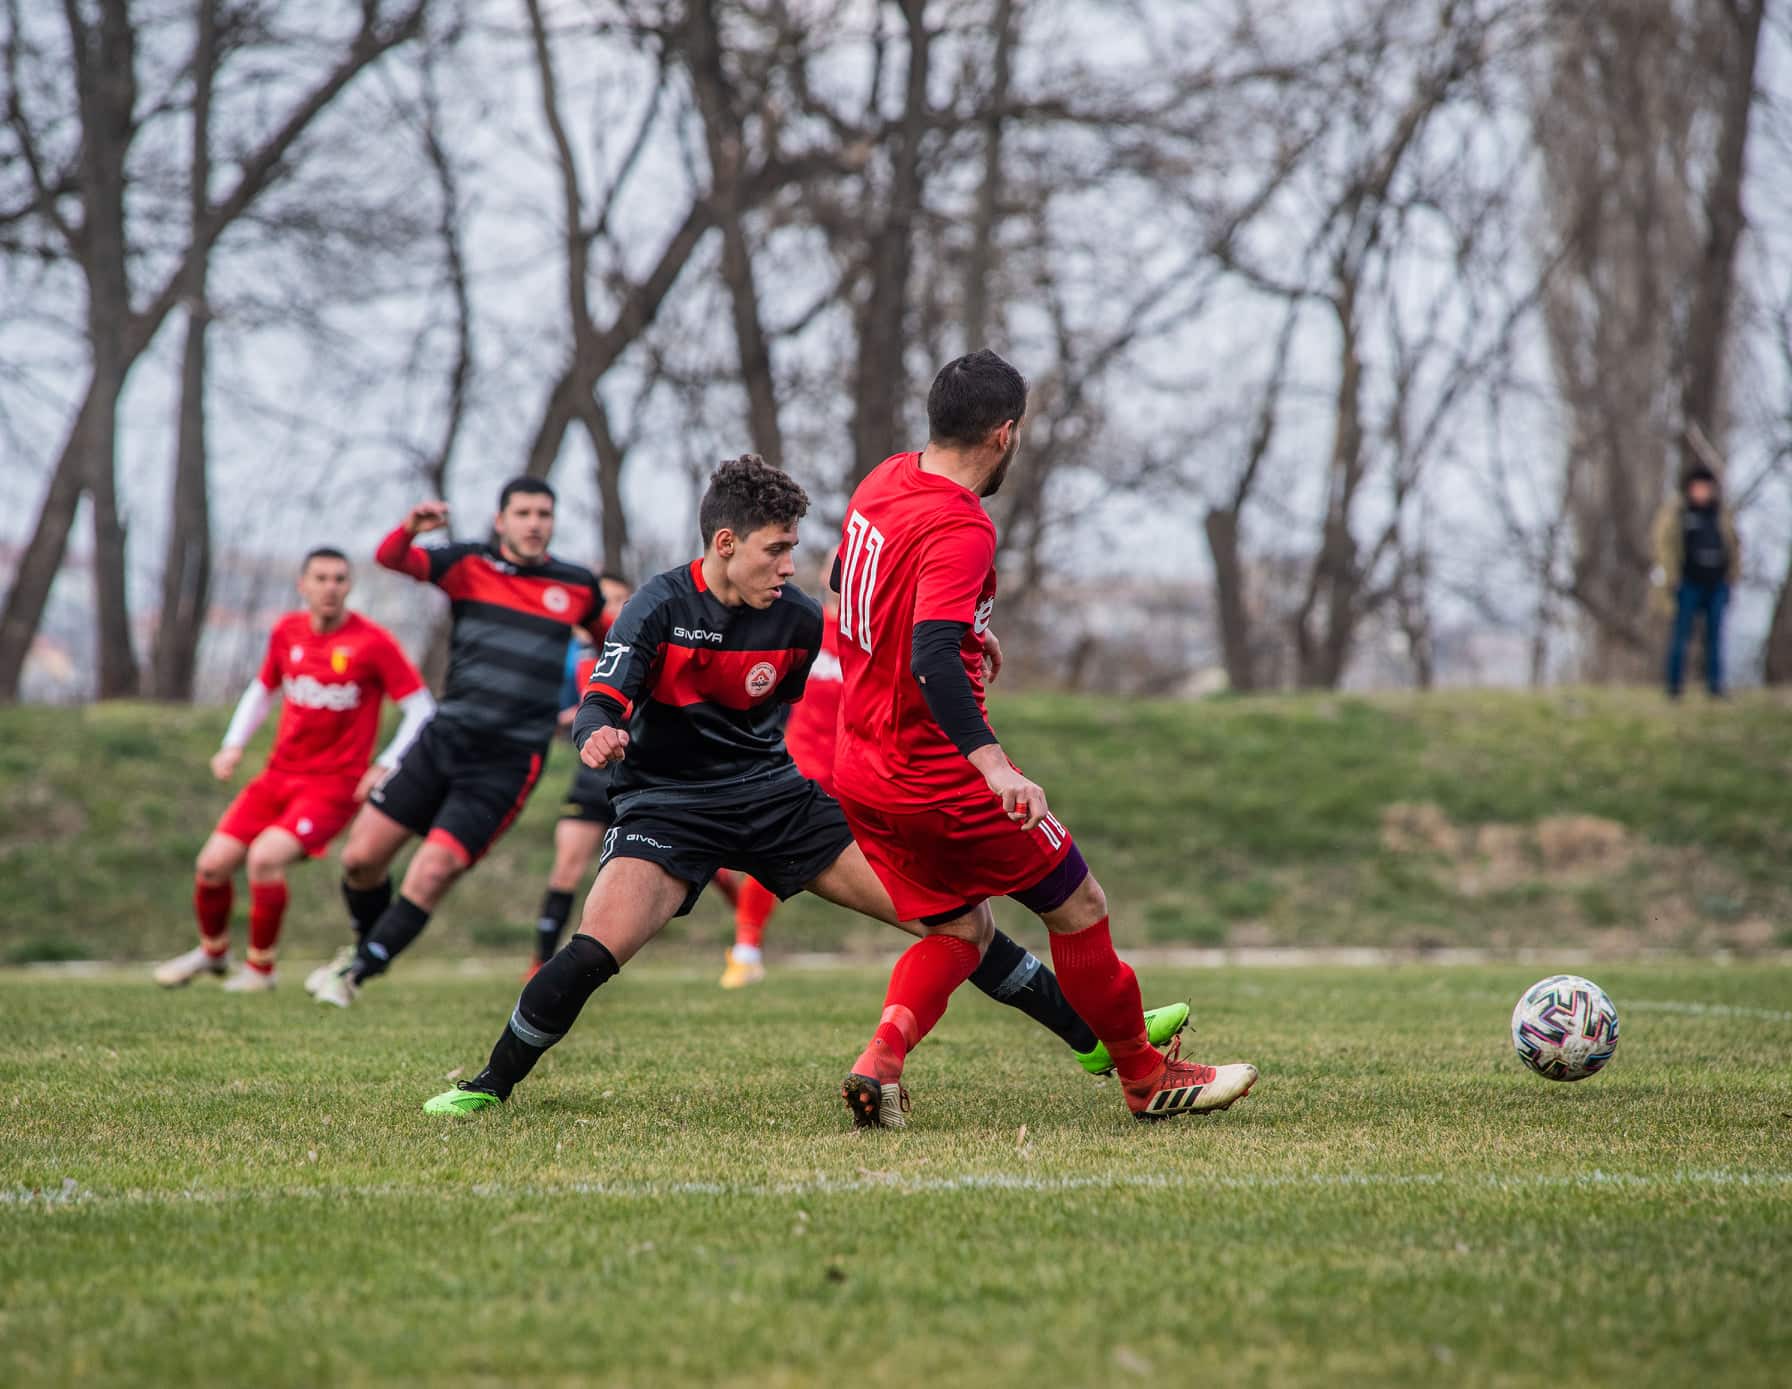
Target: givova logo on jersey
point(308, 692)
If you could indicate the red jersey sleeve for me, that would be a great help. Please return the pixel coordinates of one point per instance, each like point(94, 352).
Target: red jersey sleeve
point(397, 675)
point(270, 663)
point(953, 567)
point(398, 551)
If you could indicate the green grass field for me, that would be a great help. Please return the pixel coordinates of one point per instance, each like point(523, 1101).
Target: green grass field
point(198, 1188)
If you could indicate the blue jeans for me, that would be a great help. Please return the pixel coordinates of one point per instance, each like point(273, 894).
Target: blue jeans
point(1690, 602)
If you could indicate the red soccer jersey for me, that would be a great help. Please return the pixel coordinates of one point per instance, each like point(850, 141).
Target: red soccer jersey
point(917, 547)
point(333, 683)
point(815, 718)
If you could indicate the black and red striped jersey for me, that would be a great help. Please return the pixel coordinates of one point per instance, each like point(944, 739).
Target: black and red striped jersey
point(507, 654)
point(700, 687)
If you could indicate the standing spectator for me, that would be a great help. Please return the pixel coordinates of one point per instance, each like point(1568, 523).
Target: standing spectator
point(1697, 557)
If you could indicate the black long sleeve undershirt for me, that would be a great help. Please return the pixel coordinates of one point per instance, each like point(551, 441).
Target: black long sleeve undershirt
point(936, 660)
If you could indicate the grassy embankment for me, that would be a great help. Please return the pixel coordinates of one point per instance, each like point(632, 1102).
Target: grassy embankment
point(1602, 819)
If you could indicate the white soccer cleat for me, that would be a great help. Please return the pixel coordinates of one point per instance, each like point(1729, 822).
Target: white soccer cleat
point(338, 990)
point(321, 976)
point(250, 981)
point(184, 969)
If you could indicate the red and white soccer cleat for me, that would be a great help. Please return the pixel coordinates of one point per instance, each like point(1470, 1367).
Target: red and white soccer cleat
point(1187, 1087)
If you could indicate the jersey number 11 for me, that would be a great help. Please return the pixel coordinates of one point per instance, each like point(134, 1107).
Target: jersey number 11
point(858, 578)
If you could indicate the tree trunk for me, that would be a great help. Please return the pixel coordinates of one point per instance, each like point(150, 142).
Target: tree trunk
point(187, 564)
point(722, 131)
point(979, 269)
point(880, 378)
point(106, 78)
point(1234, 613)
point(1777, 669)
point(187, 568)
point(1708, 322)
point(30, 592)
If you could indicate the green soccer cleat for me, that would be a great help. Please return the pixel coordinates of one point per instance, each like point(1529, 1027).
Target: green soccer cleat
point(1161, 1024)
point(461, 1100)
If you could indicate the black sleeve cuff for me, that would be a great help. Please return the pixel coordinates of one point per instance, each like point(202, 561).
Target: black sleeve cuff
point(936, 661)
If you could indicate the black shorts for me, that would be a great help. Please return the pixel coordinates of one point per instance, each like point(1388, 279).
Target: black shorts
point(785, 838)
point(588, 798)
point(459, 789)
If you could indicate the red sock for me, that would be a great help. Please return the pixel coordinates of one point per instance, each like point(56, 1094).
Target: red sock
point(727, 883)
point(753, 907)
point(211, 905)
point(920, 986)
point(1102, 987)
point(267, 908)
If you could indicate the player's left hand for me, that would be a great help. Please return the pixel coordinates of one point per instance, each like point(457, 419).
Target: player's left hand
point(370, 778)
point(992, 658)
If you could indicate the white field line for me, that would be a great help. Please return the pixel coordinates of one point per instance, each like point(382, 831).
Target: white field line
point(1709, 1010)
point(72, 1193)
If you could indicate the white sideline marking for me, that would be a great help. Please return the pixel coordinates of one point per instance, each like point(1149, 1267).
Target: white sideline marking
point(72, 1193)
point(1709, 1010)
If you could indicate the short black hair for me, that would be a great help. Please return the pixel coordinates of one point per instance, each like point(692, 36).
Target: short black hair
point(972, 395)
point(1697, 473)
point(321, 552)
point(528, 486)
point(746, 494)
point(615, 578)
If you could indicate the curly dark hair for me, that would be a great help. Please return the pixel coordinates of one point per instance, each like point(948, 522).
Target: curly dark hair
point(746, 494)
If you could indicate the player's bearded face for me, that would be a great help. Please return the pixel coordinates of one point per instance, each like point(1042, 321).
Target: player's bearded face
point(1000, 475)
point(526, 526)
point(324, 587)
point(761, 563)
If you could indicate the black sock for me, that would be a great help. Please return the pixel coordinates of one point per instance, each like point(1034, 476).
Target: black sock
point(1013, 975)
point(545, 1012)
point(555, 908)
point(366, 904)
point(399, 925)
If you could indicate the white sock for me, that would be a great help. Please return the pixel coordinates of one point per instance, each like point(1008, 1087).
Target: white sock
point(746, 954)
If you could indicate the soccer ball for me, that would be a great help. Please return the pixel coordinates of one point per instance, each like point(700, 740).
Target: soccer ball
point(1565, 1028)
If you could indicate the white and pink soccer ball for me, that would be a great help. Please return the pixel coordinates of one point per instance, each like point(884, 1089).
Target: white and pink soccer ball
point(1565, 1028)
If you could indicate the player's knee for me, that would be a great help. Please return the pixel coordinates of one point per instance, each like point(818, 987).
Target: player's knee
point(217, 861)
point(432, 872)
point(267, 862)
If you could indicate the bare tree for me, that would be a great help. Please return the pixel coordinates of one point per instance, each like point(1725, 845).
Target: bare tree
point(84, 195)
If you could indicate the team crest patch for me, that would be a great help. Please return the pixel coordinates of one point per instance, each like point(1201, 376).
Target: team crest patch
point(761, 678)
point(339, 660)
point(296, 656)
point(304, 828)
point(555, 599)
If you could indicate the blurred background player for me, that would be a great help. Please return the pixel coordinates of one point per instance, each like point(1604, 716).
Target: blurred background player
point(586, 812)
point(332, 667)
point(945, 819)
point(809, 735)
point(470, 771)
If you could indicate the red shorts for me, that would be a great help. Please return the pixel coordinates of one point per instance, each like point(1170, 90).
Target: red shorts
point(954, 856)
point(312, 809)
